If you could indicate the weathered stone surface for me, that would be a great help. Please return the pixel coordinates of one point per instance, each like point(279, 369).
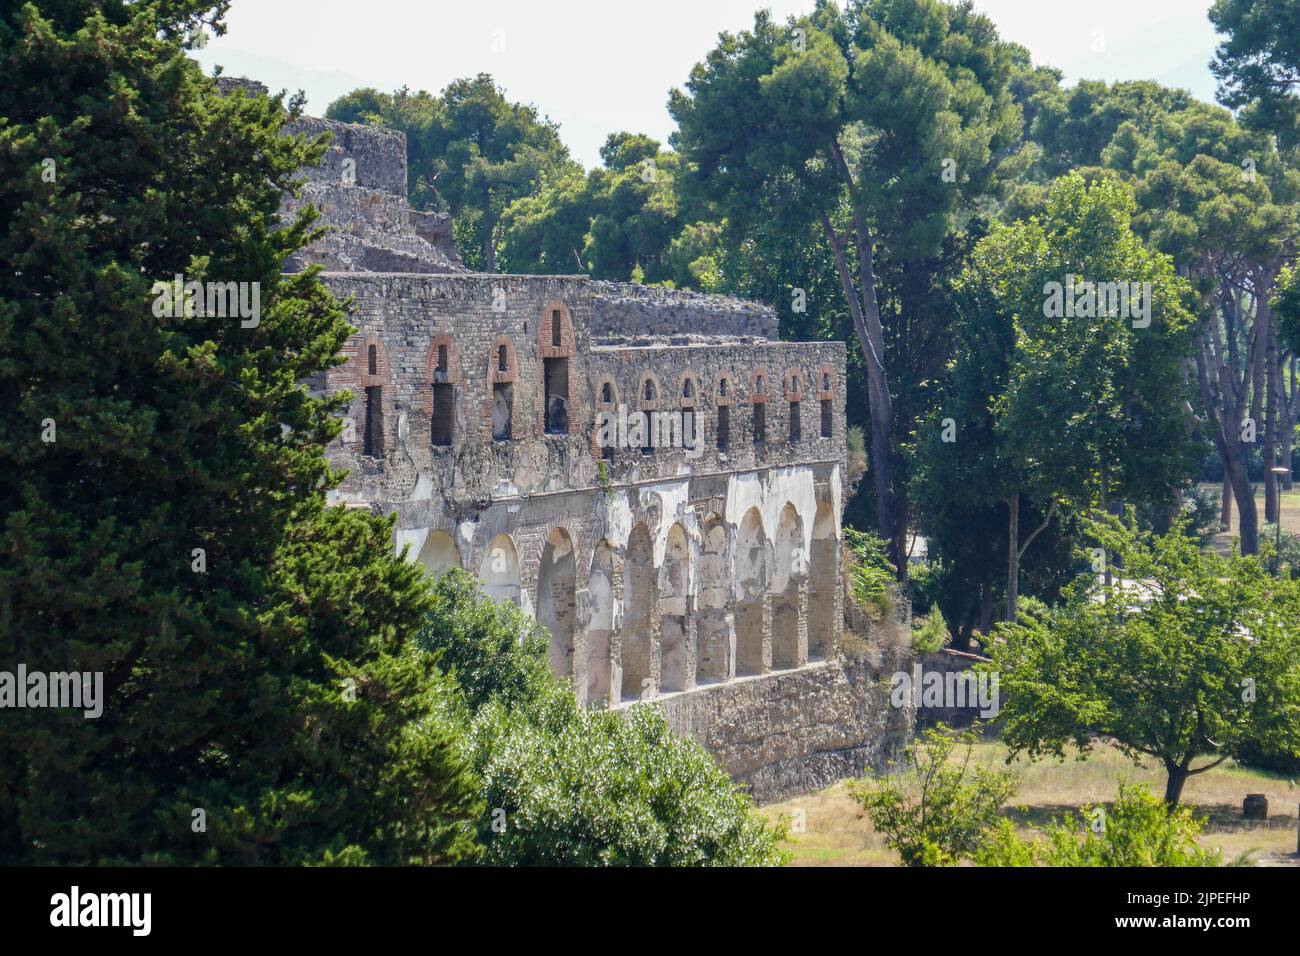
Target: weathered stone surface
point(359, 188)
point(626, 313)
point(706, 569)
point(794, 732)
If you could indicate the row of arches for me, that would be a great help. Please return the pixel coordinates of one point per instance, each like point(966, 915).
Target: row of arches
point(742, 602)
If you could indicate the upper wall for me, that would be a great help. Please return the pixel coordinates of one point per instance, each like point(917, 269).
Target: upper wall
point(359, 187)
point(625, 313)
point(378, 155)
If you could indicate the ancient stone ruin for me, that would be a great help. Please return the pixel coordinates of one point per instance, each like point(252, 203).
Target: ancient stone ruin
point(653, 474)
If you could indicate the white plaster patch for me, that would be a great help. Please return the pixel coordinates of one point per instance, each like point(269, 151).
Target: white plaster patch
point(837, 507)
point(673, 498)
point(415, 537)
point(796, 485)
point(618, 520)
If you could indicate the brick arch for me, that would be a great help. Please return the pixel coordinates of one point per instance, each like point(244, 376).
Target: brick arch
point(642, 403)
point(599, 389)
point(438, 393)
point(760, 386)
point(826, 381)
point(602, 405)
point(683, 400)
point(511, 371)
point(826, 385)
point(793, 385)
point(721, 395)
point(355, 375)
point(557, 318)
point(454, 371)
point(496, 376)
point(545, 329)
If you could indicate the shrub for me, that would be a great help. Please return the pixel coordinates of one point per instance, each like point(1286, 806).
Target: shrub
point(575, 787)
point(1289, 554)
point(563, 785)
point(935, 813)
point(931, 634)
point(1140, 829)
point(871, 575)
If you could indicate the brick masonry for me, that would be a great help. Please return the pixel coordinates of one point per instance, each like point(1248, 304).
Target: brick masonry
point(680, 570)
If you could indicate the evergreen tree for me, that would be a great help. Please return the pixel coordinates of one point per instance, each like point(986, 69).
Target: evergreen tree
point(162, 483)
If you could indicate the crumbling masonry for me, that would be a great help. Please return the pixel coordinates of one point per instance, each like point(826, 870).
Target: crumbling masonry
point(651, 473)
point(502, 419)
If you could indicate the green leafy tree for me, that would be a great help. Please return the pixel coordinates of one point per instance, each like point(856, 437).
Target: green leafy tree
point(1217, 197)
point(1137, 830)
point(1184, 658)
point(1219, 200)
point(881, 126)
point(935, 812)
point(1087, 407)
point(1287, 306)
point(626, 218)
point(563, 785)
point(1258, 65)
point(162, 480)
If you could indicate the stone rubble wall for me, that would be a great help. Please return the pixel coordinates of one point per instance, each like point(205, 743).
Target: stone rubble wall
point(948, 661)
point(795, 732)
point(359, 187)
point(727, 534)
point(626, 313)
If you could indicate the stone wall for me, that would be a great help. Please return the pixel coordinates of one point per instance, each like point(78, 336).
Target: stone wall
point(626, 313)
point(359, 188)
point(408, 316)
point(790, 733)
point(703, 573)
point(945, 662)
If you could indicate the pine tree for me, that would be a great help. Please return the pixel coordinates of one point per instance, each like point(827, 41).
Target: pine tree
point(162, 480)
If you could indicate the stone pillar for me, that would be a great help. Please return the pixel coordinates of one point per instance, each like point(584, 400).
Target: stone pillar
point(801, 658)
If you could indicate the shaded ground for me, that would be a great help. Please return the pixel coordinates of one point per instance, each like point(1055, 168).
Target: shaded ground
point(1222, 542)
point(837, 832)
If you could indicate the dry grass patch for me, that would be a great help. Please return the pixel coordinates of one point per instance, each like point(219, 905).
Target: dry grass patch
point(836, 831)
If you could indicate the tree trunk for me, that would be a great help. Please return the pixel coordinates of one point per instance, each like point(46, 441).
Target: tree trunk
point(1272, 433)
point(1244, 493)
point(1291, 409)
point(986, 603)
point(1108, 579)
point(866, 324)
point(1174, 784)
point(1013, 556)
point(900, 531)
point(1225, 512)
point(1288, 448)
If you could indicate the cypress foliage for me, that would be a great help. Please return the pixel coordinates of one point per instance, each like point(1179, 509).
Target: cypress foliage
point(162, 480)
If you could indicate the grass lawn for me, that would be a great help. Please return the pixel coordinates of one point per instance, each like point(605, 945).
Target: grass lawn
point(837, 832)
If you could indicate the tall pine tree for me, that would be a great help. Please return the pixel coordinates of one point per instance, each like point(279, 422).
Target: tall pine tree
point(162, 480)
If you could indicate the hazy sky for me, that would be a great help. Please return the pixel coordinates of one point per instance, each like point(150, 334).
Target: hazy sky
point(597, 66)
